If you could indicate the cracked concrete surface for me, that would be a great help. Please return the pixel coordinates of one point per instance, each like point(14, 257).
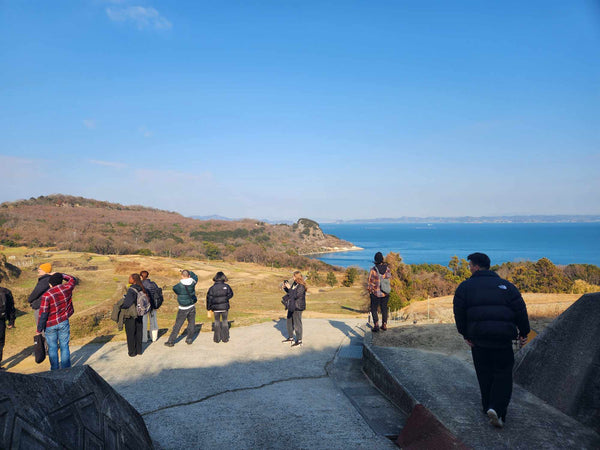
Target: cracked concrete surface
point(254, 391)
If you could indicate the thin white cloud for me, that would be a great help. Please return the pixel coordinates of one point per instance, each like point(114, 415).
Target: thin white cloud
point(90, 124)
point(114, 165)
point(141, 16)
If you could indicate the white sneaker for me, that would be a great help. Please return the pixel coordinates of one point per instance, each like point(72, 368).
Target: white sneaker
point(494, 419)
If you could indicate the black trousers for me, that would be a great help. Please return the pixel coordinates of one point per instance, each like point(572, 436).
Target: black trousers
point(382, 303)
point(133, 331)
point(182, 314)
point(294, 323)
point(2, 337)
point(494, 374)
point(221, 327)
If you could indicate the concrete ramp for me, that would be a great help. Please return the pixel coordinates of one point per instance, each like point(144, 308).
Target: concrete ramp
point(69, 408)
point(448, 389)
point(562, 364)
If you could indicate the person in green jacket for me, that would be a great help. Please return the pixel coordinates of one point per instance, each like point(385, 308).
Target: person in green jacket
point(186, 297)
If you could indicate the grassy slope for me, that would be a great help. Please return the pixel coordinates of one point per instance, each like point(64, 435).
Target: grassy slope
point(103, 280)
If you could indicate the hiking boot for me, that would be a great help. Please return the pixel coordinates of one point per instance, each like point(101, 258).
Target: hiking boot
point(494, 419)
point(288, 340)
point(375, 329)
point(297, 344)
point(169, 344)
point(383, 326)
point(188, 341)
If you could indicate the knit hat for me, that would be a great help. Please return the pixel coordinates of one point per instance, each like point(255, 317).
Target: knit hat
point(378, 258)
point(46, 267)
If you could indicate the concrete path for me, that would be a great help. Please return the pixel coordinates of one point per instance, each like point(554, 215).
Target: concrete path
point(448, 388)
point(254, 391)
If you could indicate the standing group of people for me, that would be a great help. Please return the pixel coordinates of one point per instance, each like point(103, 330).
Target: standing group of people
point(135, 316)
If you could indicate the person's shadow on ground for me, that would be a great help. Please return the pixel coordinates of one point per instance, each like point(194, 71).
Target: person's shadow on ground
point(19, 357)
point(281, 326)
point(346, 329)
point(83, 353)
point(197, 329)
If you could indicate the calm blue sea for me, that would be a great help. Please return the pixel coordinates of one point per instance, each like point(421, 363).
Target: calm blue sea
point(562, 243)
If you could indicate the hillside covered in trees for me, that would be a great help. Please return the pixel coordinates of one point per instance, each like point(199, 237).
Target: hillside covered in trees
point(80, 224)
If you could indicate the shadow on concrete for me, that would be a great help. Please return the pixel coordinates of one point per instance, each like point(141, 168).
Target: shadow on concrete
point(83, 353)
point(197, 330)
point(346, 329)
point(281, 326)
point(18, 358)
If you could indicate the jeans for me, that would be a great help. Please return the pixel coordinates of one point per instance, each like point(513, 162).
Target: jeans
point(59, 335)
point(153, 326)
point(182, 314)
point(382, 303)
point(294, 323)
point(221, 327)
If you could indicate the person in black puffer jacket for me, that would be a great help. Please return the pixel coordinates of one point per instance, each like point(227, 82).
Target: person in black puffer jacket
point(217, 301)
point(489, 313)
point(296, 303)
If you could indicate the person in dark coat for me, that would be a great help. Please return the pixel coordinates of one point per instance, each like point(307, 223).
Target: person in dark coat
point(35, 298)
point(295, 304)
point(217, 301)
point(490, 313)
point(133, 325)
point(152, 289)
point(7, 313)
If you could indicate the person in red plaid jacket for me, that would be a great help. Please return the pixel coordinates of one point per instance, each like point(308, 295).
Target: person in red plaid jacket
point(55, 310)
point(378, 298)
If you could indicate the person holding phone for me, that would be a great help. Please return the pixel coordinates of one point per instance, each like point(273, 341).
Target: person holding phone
point(295, 304)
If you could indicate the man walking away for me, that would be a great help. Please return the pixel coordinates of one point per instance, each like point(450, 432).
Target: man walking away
point(186, 297)
point(155, 294)
point(7, 312)
point(35, 298)
point(489, 313)
point(55, 309)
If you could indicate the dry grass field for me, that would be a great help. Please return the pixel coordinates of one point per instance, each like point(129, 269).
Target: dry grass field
point(102, 281)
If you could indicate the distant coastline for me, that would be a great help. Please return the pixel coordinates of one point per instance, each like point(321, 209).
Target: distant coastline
point(354, 248)
point(483, 219)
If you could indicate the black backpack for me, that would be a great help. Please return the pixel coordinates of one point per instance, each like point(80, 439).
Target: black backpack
point(157, 295)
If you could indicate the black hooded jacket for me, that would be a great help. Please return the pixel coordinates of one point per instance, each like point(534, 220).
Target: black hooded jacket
point(35, 298)
point(490, 311)
point(217, 297)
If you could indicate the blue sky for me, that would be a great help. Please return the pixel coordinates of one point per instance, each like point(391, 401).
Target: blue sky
point(322, 109)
